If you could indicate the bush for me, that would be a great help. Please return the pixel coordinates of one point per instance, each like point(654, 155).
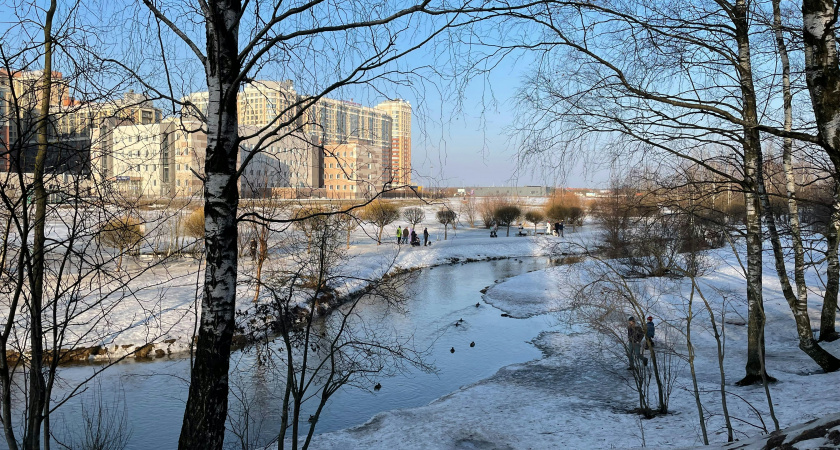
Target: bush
point(194, 224)
point(122, 233)
point(507, 214)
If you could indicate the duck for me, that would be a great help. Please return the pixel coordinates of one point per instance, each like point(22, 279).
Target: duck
point(477, 305)
point(377, 387)
point(472, 344)
point(452, 350)
point(457, 324)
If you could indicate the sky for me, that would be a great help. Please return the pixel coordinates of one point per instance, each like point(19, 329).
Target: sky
point(473, 144)
point(461, 136)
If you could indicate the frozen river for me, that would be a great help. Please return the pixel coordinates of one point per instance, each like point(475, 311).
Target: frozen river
point(154, 392)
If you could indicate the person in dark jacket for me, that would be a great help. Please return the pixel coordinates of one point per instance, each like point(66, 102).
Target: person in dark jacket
point(650, 330)
point(635, 334)
point(425, 236)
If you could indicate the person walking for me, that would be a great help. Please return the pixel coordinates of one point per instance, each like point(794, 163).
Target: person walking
point(405, 235)
point(557, 228)
point(399, 235)
point(562, 227)
point(548, 228)
point(425, 236)
point(635, 334)
point(650, 331)
point(253, 249)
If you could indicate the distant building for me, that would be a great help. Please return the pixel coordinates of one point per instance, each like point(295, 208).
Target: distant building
point(353, 171)
point(288, 166)
point(399, 161)
point(143, 160)
point(268, 105)
point(508, 191)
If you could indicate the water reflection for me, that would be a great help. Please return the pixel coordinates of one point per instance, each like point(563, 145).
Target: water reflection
point(440, 297)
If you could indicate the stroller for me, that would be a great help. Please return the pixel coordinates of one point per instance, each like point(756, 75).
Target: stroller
point(415, 240)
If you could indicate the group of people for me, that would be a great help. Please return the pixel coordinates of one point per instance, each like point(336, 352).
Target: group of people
point(635, 335)
point(405, 236)
point(558, 228)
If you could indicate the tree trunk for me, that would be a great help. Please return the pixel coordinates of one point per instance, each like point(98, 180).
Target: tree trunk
point(206, 409)
point(828, 316)
point(798, 304)
point(696, 389)
point(752, 161)
point(261, 257)
point(37, 385)
point(822, 75)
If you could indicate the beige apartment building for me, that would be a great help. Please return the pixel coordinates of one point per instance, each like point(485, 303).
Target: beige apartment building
point(328, 122)
point(287, 166)
point(352, 171)
point(143, 160)
point(399, 159)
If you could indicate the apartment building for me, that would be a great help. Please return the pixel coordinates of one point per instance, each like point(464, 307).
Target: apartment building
point(143, 160)
point(287, 166)
point(189, 145)
point(399, 158)
point(352, 171)
point(328, 122)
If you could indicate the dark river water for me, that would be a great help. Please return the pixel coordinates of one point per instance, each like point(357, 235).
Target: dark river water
point(151, 395)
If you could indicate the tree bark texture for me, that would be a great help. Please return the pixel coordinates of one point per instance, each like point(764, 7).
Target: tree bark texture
point(828, 316)
point(822, 75)
point(752, 161)
point(206, 410)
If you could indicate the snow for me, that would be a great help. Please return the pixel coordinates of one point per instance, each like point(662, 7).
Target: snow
point(576, 396)
point(579, 396)
point(158, 307)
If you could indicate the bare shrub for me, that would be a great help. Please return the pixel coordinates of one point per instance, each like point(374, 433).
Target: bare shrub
point(122, 233)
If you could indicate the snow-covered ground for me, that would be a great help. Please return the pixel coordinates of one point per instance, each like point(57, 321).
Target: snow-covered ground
point(157, 310)
point(579, 394)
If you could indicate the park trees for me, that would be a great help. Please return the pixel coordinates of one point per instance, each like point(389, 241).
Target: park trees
point(534, 216)
point(446, 217)
point(506, 214)
point(613, 93)
point(381, 214)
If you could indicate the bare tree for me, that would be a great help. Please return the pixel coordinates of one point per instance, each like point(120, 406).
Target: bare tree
point(469, 209)
point(413, 215)
point(381, 214)
point(506, 215)
point(324, 348)
point(446, 217)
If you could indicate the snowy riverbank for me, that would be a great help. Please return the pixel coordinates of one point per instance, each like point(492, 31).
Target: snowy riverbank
point(579, 396)
point(154, 316)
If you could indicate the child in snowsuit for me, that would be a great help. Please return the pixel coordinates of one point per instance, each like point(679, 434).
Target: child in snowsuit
point(649, 332)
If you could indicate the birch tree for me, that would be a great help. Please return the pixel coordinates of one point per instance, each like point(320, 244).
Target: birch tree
point(668, 81)
point(337, 45)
